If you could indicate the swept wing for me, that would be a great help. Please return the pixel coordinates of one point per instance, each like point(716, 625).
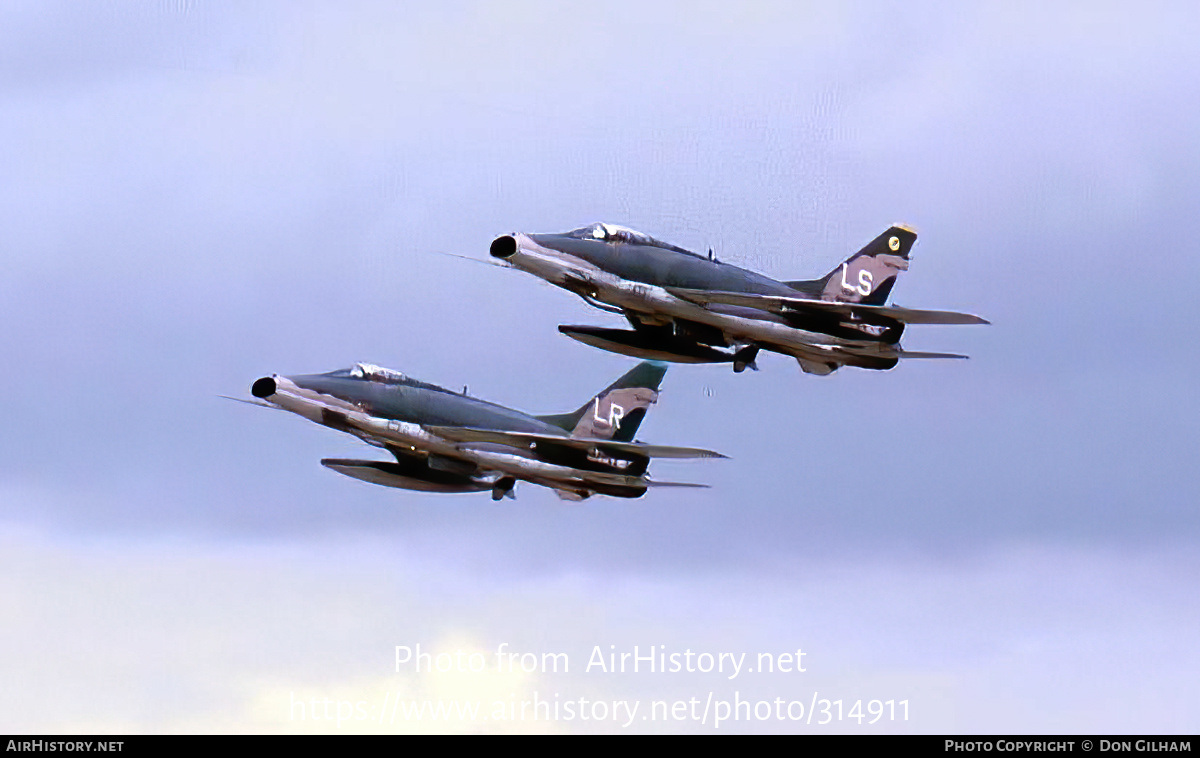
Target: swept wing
point(785, 305)
point(526, 439)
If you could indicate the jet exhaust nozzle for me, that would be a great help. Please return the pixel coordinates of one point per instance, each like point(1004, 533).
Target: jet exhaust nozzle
point(263, 388)
point(504, 247)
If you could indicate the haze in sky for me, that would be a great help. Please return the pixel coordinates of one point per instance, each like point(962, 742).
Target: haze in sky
point(197, 194)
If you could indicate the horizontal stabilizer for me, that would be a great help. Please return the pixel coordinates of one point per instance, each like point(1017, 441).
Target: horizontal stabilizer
point(530, 440)
point(692, 485)
point(908, 315)
point(917, 354)
point(858, 311)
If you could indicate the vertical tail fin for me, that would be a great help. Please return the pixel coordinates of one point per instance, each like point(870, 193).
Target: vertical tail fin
point(868, 276)
point(617, 411)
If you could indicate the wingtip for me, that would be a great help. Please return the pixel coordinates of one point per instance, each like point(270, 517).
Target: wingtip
point(922, 355)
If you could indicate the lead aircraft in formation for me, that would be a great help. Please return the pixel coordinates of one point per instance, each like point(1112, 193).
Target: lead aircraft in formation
point(445, 441)
point(690, 308)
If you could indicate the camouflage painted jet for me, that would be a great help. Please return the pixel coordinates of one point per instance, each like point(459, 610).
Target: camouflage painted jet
point(444, 441)
point(690, 308)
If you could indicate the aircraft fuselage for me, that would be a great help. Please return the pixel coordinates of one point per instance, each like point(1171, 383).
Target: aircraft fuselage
point(397, 414)
point(638, 279)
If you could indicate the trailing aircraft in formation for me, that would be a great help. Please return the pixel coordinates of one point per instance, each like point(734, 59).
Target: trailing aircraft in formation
point(689, 308)
point(445, 441)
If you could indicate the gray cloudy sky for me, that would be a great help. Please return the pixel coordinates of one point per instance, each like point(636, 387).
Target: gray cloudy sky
point(197, 194)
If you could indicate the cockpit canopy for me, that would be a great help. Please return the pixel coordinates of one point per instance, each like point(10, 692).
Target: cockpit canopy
point(372, 373)
point(622, 234)
point(369, 372)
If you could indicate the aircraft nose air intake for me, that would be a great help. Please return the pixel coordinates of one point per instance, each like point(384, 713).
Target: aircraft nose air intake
point(504, 247)
point(263, 388)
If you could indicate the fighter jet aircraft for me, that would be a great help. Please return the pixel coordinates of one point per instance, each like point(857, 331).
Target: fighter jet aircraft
point(446, 441)
point(690, 308)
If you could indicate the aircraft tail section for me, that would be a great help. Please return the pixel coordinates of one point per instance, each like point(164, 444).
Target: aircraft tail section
point(617, 411)
point(868, 276)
